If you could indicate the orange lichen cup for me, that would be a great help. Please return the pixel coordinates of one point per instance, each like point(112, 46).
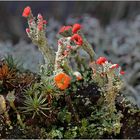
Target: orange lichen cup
point(62, 80)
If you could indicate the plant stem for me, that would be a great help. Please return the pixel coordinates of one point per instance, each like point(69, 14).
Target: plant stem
point(111, 94)
point(39, 38)
point(87, 47)
point(61, 61)
point(18, 115)
point(8, 122)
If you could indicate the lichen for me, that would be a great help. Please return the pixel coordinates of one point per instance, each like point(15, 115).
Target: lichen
point(71, 98)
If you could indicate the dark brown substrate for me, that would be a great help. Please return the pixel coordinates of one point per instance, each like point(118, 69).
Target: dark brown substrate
point(130, 121)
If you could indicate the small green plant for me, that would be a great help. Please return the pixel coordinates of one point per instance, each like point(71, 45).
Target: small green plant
point(35, 102)
point(12, 63)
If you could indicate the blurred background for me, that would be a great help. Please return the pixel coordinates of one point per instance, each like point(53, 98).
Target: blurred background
point(113, 28)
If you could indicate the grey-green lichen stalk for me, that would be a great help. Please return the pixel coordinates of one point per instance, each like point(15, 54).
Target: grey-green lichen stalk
point(36, 32)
